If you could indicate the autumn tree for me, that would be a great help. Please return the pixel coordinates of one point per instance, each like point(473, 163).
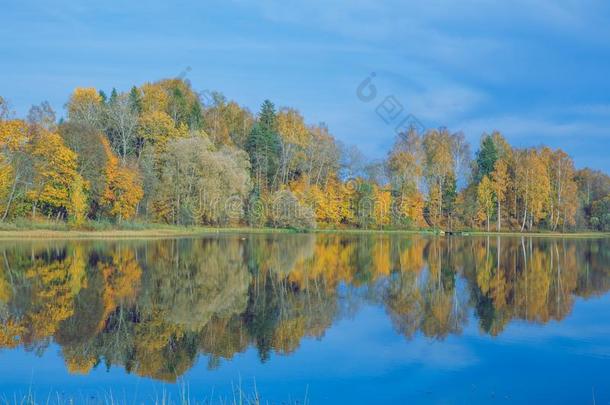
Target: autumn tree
point(123, 190)
point(406, 166)
point(382, 208)
point(331, 203)
point(175, 97)
point(485, 195)
point(439, 165)
point(226, 122)
point(499, 183)
point(78, 201)
point(563, 197)
point(294, 138)
point(321, 155)
point(14, 163)
point(532, 186)
point(157, 128)
point(92, 157)
point(54, 174)
point(85, 106)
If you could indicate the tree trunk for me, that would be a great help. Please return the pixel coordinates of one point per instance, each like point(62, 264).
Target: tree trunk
point(10, 199)
point(499, 216)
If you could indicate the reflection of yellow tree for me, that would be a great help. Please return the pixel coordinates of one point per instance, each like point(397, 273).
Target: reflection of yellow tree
point(444, 312)
point(157, 349)
point(330, 261)
point(483, 263)
point(534, 286)
point(288, 333)
point(54, 284)
point(78, 362)
point(405, 303)
point(411, 258)
point(10, 330)
point(10, 333)
point(564, 279)
point(499, 289)
point(121, 280)
point(437, 320)
point(223, 337)
point(382, 264)
point(5, 288)
point(493, 286)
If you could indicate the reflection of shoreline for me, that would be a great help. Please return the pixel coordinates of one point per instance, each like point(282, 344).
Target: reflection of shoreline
point(154, 306)
point(167, 231)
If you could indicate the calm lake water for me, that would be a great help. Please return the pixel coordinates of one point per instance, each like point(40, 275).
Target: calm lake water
point(321, 318)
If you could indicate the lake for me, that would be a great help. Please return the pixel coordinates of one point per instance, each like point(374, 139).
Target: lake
point(315, 318)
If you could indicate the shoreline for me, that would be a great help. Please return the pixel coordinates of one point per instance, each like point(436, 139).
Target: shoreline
point(168, 231)
point(161, 232)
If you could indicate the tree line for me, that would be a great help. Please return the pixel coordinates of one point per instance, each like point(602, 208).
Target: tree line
point(161, 153)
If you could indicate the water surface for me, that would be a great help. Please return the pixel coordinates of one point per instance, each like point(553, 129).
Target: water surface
point(322, 318)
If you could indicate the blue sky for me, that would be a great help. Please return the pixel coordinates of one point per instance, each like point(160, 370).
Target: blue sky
point(536, 71)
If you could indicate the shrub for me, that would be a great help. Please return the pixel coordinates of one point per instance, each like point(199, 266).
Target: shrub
point(287, 212)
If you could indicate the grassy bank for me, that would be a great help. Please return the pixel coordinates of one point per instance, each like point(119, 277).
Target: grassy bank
point(542, 234)
point(135, 230)
point(101, 230)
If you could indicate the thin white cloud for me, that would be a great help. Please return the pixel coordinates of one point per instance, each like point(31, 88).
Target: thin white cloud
point(533, 129)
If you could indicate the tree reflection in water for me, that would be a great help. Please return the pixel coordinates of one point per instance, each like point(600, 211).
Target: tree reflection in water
point(153, 307)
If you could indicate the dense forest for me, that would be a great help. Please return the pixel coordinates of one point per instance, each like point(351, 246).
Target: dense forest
point(162, 153)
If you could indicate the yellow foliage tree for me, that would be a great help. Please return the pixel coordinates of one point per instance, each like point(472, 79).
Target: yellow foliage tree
point(154, 98)
point(383, 206)
point(532, 185)
point(564, 191)
point(157, 128)
point(499, 183)
point(411, 205)
point(85, 105)
point(13, 139)
point(55, 173)
point(294, 137)
point(78, 201)
point(123, 189)
point(485, 197)
point(434, 204)
point(330, 203)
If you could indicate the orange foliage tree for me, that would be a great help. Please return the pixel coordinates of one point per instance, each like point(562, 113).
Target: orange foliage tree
point(123, 190)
